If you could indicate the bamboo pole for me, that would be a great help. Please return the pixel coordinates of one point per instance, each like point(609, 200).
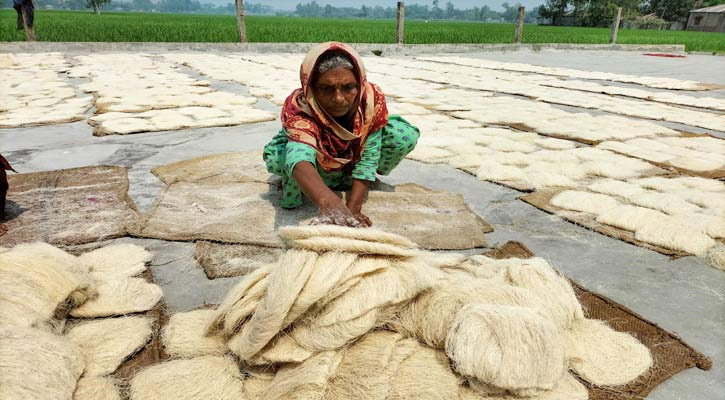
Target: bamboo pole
point(241, 23)
point(519, 25)
point(615, 26)
point(29, 30)
point(401, 22)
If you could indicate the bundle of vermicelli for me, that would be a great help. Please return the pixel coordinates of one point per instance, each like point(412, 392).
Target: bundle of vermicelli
point(362, 314)
point(39, 286)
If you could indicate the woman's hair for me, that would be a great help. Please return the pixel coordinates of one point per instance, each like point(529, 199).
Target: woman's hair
point(332, 60)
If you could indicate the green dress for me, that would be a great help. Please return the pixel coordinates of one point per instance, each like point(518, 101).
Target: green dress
point(384, 150)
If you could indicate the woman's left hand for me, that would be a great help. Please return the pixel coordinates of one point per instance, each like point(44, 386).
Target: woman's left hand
point(356, 199)
point(365, 222)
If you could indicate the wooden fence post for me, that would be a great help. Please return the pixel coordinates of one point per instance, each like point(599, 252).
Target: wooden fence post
point(519, 25)
point(401, 22)
point(29, 29)
point(615, 26)
point(241, 24)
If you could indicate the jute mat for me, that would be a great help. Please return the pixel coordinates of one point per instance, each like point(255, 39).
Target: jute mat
point(670, 354)
point(246, 166)
point(541, 200)
point(235, 212)
point(220, 260)
point(433, 220)
point(250, 213)
point(68, 207)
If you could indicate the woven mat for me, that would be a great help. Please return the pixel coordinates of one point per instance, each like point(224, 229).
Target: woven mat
point(236, 212)
point(433, 220)
point(669, 353)
point(68, 207)
point(246, 166)
point(220, 260)
point(250, 213)
point(541, 200)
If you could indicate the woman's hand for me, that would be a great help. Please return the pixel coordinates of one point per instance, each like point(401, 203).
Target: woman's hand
point(365, 222)
point(355, 200)
point(334, 212)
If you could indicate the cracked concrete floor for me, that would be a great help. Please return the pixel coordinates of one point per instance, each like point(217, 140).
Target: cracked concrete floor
point(683, 296)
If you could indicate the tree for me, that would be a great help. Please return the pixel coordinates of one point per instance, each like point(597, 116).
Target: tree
point(311, 9)
point(590, 12)
point(597, 13)
point(180, 6)
point(670, 10)
point(554, 10)
point(531, 15)
point(436, 12)
point(510, 13)
point(487, 13)
point(450, 10)
point(417, 11)
point(96, 5)
point(142, 5)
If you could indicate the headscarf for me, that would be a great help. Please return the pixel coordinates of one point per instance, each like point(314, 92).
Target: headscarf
point(305, 121)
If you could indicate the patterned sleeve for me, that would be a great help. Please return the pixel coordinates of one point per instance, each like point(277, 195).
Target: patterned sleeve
point(368, 164)
point(297, 152)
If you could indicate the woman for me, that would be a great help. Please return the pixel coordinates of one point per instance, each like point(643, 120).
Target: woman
point(336, 135)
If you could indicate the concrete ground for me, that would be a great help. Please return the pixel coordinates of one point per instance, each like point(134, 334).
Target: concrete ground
point(683, 296)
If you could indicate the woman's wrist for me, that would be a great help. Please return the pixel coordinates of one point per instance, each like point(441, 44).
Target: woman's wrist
point(357, 195)
point(354, 206)
point(328, 199)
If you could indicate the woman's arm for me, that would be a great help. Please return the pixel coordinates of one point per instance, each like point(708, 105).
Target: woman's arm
point(363, 175)
point(355, 201)
point(332, 209)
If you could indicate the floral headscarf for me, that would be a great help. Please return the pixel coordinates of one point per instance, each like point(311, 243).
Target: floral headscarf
point(305, 121)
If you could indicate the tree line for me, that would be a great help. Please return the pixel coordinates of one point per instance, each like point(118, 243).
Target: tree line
point(599, 12)
point(303, 9)
point(417, 11)
point(161, 6)
point(555, 12)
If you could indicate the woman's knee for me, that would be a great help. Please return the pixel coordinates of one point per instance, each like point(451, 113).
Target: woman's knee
point(400, 135)
point(274, 159)
point(406, 139)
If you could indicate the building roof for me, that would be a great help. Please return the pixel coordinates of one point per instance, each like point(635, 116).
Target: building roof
point(714, 9)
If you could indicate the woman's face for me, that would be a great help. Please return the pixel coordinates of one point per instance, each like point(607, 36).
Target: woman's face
point(336, 91)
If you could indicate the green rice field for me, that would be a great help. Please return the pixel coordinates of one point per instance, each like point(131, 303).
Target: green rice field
point(74, 26)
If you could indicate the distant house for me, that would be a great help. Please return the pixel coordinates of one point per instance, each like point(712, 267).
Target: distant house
point(708, 19)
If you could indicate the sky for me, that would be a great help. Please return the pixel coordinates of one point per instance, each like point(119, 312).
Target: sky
point(290, 4)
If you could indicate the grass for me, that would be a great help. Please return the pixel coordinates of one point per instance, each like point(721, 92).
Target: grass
point(74, 26)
